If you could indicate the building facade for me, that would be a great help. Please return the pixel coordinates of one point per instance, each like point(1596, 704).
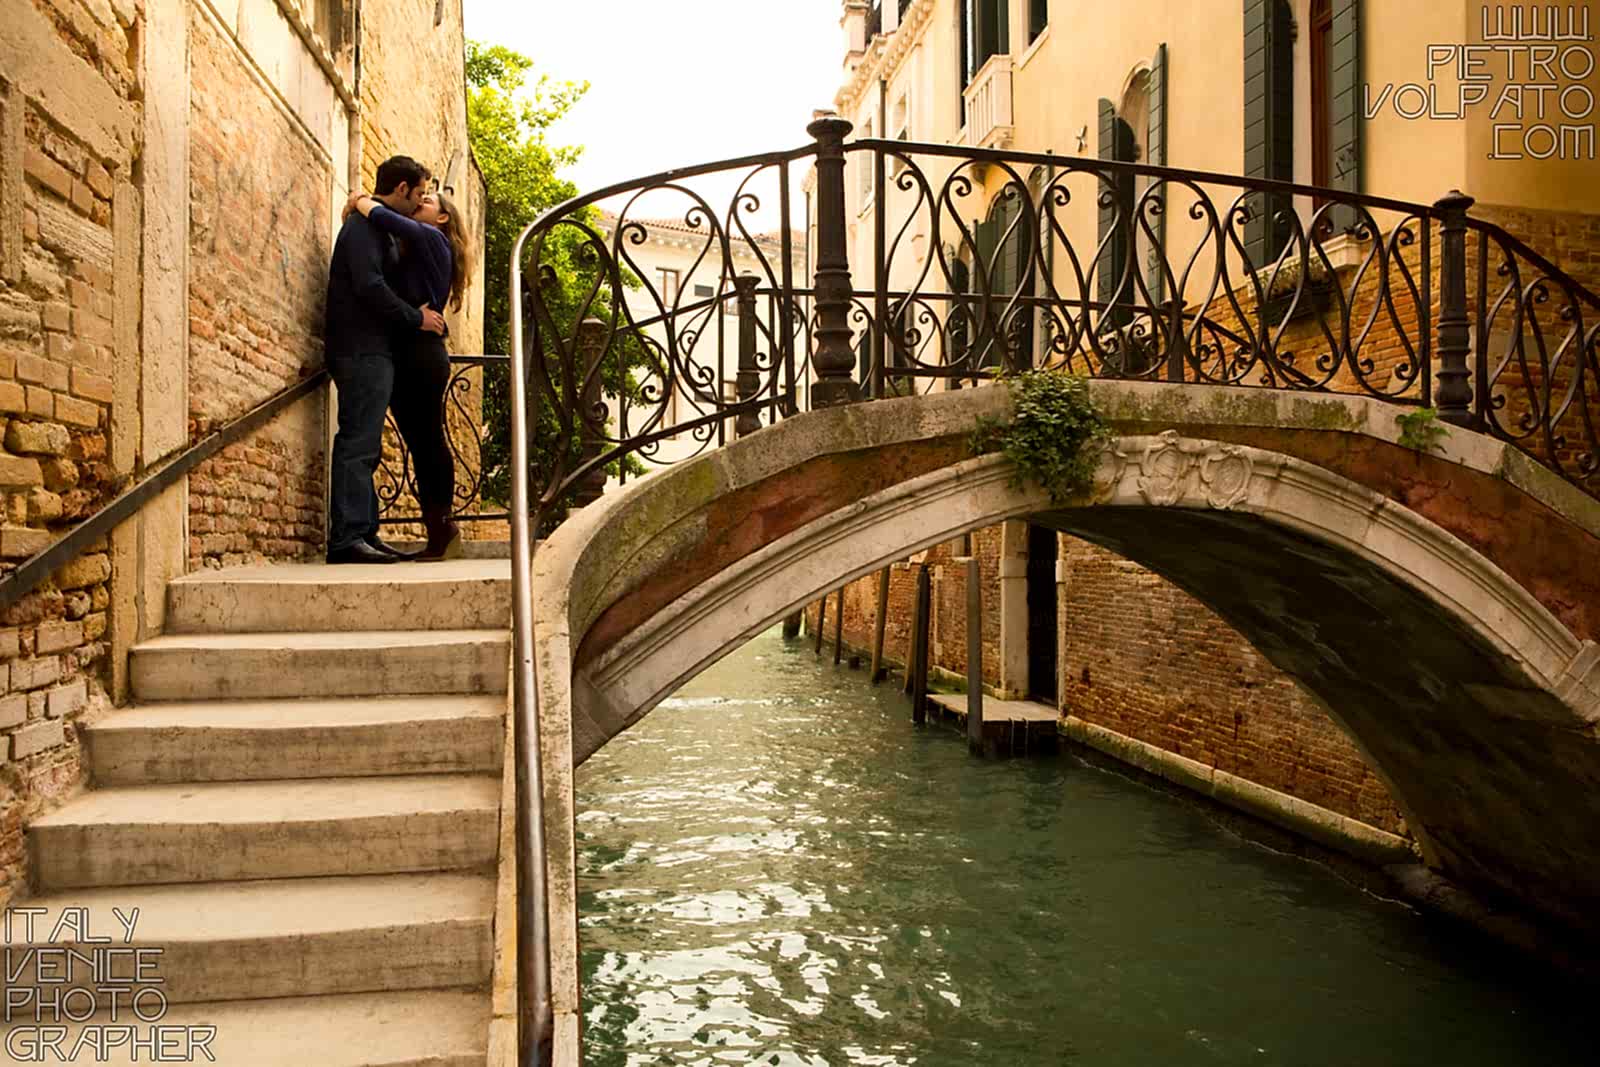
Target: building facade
point(1405, 102)
point(171, 176)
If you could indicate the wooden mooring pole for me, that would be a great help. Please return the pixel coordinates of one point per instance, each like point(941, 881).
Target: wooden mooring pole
point(919, 669)
point(822, 622)
point(911, 644)
point(878, 626)
point(974, 657)
point(838, 629)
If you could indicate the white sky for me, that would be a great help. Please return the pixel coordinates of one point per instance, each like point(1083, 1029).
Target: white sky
point(675, 84)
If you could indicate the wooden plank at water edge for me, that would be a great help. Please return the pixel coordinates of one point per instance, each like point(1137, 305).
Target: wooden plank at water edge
point(1010, 727)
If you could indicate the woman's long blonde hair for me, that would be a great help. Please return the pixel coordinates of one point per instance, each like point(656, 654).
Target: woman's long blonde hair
point(455, 231)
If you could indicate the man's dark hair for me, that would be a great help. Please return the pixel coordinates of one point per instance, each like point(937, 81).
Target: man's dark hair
point(397, 169)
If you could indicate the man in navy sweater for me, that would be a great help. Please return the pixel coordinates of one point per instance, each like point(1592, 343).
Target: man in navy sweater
point(363, 312)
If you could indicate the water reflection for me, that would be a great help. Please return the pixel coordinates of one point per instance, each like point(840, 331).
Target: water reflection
point(777, 868)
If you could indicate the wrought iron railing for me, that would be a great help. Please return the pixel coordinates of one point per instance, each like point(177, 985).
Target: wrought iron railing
point(969, 262)
point(468, 428)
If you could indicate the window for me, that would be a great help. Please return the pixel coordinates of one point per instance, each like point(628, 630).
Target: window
point(1268, 124)
point(1038, 18)
point(669, 286)
point(327, 18)
point(985, 32)
point(1005, 245)
point(704, 292)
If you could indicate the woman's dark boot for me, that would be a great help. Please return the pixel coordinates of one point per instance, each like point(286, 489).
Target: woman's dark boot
point(444, 537)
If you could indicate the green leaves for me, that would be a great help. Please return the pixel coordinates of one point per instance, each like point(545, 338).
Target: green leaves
point(1420, 430)
point(1054, 436)
point(507, 123)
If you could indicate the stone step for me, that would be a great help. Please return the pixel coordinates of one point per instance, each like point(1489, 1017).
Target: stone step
point(359, 663)
point(437, 1028)
point(220, 741)
point(228, 831)
point(252, 940)
point(289, 597)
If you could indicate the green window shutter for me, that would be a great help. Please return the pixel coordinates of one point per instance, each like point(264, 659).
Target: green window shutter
point(1268, 120)
point(986, 236)
point(1344, 99)
point(1115, 143)
point(1155, 277)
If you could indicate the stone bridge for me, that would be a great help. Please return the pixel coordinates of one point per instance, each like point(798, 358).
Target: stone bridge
point(1443, 608)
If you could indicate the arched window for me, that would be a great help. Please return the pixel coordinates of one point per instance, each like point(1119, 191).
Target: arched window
point(1005, 247)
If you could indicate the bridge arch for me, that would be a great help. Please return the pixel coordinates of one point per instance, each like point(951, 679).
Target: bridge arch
point(1472, 688)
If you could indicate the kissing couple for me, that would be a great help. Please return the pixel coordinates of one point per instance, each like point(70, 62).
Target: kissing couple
point(400, 258)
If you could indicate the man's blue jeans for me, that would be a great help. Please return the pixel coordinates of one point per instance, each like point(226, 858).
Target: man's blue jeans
point(364, 383)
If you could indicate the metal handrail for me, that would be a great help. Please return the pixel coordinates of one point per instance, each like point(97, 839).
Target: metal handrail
point(162, 476)
point(533, 920)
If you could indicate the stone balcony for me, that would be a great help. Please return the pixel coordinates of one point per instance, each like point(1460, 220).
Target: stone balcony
point(990, 119)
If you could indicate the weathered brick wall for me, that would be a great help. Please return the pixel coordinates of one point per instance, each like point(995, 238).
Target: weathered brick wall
point(58, 350)
point(947, 575)
point(1139, 656)
point(1143, 658)
point(259, 248)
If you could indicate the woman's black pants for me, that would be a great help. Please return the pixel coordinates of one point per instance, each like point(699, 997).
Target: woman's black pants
point(421, 377)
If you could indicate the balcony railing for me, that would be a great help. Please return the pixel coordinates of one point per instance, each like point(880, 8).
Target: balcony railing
point(990, 123)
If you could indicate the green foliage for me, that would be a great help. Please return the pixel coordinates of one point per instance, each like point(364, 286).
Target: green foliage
point(508, 121)
point(1420, 430)
point(1055, 434)
point(507, 124)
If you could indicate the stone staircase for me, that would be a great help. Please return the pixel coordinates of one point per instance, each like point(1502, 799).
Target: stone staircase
point(304, 805)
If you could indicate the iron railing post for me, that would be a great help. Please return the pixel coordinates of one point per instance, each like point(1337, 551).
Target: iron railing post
point(590, 348)
point(833, 358)
point(1455, 335)
point(748, 383)
point(1177, 340)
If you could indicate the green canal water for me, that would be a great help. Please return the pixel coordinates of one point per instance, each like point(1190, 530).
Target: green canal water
point(776, 867)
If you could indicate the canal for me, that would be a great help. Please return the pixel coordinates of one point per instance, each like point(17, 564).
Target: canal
point(776, 867)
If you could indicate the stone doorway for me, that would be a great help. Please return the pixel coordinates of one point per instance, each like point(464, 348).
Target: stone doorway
point(1043, 639)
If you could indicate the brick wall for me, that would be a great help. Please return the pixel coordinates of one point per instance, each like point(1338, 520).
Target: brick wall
point(58, 352)
point(258, 270)
point(948, 606)
point(1139, 656)
point(1143, 658)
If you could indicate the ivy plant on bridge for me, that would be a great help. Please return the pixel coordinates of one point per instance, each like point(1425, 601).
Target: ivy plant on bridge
point(1055, 434)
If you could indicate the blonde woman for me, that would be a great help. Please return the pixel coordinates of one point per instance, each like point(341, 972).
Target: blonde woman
point(433, 274)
